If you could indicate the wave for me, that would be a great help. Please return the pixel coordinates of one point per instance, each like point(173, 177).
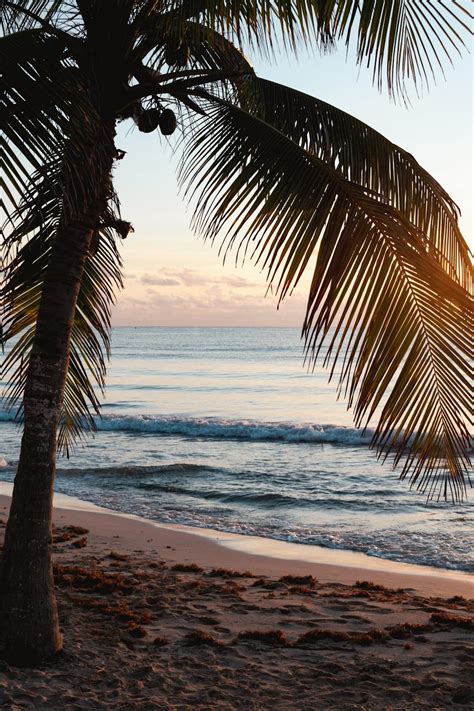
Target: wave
point(266, 500)
point(221, 428)
point(138, 472)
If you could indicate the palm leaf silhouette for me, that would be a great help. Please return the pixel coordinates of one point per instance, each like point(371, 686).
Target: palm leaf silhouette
point(366, 157)
point(380, 296)
point(43, 137)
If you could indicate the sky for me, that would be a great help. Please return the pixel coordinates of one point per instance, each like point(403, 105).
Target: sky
point(173, 278)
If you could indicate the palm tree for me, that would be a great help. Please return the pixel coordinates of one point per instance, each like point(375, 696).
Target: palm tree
point(271, 170)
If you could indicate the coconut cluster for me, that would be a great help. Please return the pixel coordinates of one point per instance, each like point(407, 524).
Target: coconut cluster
point(149, 120)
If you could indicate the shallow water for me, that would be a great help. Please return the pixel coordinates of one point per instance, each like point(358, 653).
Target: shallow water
point(224, 428)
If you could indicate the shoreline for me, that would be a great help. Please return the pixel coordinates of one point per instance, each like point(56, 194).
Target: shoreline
point(180, 544)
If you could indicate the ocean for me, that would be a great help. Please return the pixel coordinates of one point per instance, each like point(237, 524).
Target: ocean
point(225, 428)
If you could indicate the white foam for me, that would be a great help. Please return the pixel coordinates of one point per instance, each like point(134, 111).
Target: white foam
point(222, 428)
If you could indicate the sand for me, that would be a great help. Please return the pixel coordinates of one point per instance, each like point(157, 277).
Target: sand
point(161, 617)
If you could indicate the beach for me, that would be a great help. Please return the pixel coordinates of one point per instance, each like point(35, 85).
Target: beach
point(172, 618)
point(227, 540)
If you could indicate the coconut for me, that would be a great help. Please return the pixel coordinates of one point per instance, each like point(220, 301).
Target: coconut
point(148, 120)
point(167, 122)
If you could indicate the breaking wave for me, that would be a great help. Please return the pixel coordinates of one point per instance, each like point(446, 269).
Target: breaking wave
point(220, 428)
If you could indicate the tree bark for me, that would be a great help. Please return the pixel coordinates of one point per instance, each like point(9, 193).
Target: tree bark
point(29, 625)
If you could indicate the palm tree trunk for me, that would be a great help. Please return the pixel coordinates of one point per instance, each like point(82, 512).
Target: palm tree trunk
point(29, 625)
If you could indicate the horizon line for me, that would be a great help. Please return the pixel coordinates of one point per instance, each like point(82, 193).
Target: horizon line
point(194, 326)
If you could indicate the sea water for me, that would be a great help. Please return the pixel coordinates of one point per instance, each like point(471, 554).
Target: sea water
point(225, 428)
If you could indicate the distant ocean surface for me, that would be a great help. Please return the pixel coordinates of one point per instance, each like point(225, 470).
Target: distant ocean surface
point(226, 429)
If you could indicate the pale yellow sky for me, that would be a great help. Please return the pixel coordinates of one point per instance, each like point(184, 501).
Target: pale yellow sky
point(173, 279)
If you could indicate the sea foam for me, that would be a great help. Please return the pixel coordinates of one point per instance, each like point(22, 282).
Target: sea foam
point(224, 428)
point(221, 428)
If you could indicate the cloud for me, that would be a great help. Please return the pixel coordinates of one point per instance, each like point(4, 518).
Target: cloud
point(190, 278)
point(238, 282)
point(150, 280)
point(207, 307)
point(185, 296)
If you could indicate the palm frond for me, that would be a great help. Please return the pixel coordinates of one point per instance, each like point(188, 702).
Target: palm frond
point(380, 298)
point(32, 119)
point(259, 25)
point(49, 124)
point(208, 50)
point(44, 106)
point(404, 39)
point(364, 156)
point(18, 15)
point(27, 261)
